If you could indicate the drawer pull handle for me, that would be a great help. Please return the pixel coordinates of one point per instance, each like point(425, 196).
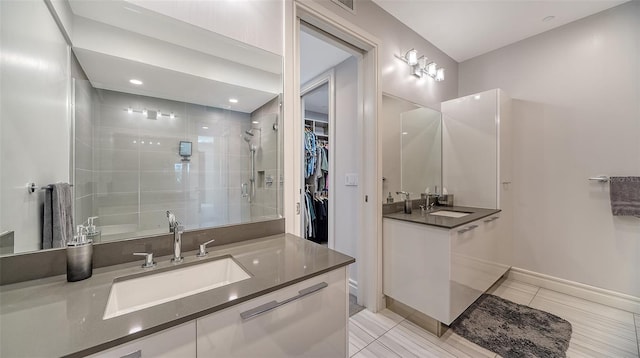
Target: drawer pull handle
point(136, 354)
point(492, 219)
point(275, 304)
point(467, 229)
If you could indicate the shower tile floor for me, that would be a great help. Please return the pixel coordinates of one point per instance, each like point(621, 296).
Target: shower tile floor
point(598, 330)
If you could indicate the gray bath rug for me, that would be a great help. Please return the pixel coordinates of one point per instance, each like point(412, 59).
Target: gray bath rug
point(513, 330)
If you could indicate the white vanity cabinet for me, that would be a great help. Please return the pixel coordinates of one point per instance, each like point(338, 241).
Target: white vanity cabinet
point(308, 319)
point(441, 272)
point(171, 343)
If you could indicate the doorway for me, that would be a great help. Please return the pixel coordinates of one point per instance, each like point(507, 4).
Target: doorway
point(331, 147)
point(368, 176)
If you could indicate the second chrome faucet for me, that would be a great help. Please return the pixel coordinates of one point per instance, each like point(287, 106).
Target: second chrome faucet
point(177, 229)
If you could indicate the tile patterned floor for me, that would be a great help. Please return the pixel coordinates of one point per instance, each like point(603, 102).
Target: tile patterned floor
point(598, 330)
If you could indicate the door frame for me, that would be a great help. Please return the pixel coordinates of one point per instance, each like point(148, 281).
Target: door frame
point(370, 188)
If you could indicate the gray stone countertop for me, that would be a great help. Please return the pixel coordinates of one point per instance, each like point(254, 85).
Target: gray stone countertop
point(425, 218)
point(51, 317)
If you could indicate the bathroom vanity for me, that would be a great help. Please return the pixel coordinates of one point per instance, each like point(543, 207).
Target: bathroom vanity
point(439, 264)
point(294, 302)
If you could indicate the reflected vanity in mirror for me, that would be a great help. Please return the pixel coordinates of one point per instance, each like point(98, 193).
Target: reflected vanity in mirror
point(420, 133)
point(161, 115)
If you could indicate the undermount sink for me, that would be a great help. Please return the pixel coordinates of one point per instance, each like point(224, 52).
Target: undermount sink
point(136, 292)
point(450, 214)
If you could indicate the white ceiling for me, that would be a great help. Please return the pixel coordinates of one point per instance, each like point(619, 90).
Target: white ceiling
point(317, 100)
point(466, 29)
point(317, 56)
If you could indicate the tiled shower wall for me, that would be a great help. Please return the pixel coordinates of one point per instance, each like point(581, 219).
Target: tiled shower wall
point(140, 175)
point(264, 204)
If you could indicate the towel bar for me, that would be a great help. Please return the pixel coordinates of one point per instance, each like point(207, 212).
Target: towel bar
point(600, 178)
point(32, 187)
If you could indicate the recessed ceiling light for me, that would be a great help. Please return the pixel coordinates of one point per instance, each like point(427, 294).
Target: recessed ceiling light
point(255, 122)
point(133, 81)
point(476, 97)
point(548, 18)
point(205, 127)
point(405, 133)
point(233, 100)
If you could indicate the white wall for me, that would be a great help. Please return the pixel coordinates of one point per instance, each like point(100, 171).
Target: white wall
point(34, 117)
point(575, 115)
point(347, 160)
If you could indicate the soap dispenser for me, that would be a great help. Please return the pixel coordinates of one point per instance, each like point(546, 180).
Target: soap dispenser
point(79, 256)
point(93, 233)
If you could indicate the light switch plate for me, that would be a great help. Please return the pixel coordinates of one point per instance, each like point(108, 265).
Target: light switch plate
point(351, 179)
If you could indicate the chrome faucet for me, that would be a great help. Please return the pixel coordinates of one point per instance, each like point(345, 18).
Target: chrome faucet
point(407, 201)
point(177, 229)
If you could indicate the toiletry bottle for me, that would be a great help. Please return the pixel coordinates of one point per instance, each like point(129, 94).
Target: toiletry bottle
point(79, 256)
point(389, 198)
point(93, 234)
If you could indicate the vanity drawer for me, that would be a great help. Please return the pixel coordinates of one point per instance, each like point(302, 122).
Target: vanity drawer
point(171, 343)
point(310, 322)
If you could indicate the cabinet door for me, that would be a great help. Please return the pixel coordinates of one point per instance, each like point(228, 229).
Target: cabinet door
point(177, 342)
point(475, 261)
point(295, 325)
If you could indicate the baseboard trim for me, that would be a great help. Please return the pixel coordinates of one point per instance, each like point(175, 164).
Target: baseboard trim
point(599, 295)
point(353, 287)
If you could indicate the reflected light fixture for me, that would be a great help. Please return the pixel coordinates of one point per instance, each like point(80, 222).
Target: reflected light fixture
point(233, 100)
point(130, 110)
point(144, 111)
point(440, 74)
point(136, 82)
point(172, 116)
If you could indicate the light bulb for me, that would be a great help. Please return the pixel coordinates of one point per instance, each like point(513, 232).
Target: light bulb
point(440, 75)
point(432, 69)
point(412, 57)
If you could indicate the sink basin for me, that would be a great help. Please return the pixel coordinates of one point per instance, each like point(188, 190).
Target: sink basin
point(136, 292)
point(450, 214)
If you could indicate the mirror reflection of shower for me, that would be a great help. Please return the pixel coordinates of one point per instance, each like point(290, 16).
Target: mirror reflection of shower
point(251, 139)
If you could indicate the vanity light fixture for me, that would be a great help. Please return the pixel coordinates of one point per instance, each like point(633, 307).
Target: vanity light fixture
point(233, 100)
point(136, 82)
point(145, 112)
point(420, 66)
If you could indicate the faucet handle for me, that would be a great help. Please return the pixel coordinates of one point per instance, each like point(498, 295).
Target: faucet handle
point(148, 259)
point(202, 252)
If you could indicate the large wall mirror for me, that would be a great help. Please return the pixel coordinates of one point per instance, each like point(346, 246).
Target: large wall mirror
point(418, 141)
point(142, 114)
